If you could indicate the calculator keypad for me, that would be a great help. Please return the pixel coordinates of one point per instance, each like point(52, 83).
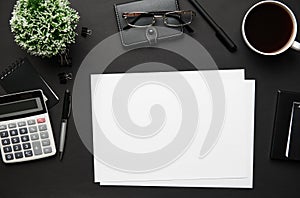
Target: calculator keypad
point(26, 139)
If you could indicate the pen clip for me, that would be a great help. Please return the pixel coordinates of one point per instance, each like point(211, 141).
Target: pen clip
point(70, 105)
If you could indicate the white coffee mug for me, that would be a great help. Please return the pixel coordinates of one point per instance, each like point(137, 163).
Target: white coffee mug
point(291, 43)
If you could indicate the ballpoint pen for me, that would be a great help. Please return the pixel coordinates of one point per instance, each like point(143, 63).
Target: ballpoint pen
point(64, 122)
point(220, 33)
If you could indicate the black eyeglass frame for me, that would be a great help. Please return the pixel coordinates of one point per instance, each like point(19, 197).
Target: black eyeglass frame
point(158, 14)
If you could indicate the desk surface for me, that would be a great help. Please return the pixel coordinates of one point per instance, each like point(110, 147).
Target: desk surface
point(73, 177)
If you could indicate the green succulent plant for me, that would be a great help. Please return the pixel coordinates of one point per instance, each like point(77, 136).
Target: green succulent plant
point(44, 27)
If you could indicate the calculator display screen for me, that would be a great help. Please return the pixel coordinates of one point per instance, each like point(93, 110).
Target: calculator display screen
point(20, 107)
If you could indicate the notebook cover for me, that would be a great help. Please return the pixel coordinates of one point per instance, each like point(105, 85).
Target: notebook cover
point(285, 100)
point(134, 36)
point(24, 77)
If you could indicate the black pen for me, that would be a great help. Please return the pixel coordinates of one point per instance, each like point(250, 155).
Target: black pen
point(222, 36)
point(64, 122)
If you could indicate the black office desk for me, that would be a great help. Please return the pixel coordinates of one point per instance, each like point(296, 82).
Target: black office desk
point(73, 177)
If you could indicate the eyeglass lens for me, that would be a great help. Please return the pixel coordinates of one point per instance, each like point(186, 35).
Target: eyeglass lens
point(140, 20)
point(178, 18)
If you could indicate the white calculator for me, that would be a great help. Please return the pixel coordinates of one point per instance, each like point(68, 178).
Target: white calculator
point(25, 129)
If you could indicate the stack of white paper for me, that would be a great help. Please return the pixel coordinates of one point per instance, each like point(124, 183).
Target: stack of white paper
point(140, 138)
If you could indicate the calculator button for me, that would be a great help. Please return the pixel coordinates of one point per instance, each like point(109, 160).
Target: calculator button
point(44, 135)
point(3, 127)
point(13, 132)
point(19, 155)
point(9, 157)
point(21, 124)
point(43, 127)
point(25, 138)
point(34, 136)
point(17, 147)
point(5, 142)
point(12, 125)
point(41, 120)
point(4, 134)
point(15, 140)
point(37, 149)
point(23, 131)
point(26, 146)
point(31, 122)
point(32, 129)
point(28, 153)
point(47, 150)
point(7, 149)
point(46, 142)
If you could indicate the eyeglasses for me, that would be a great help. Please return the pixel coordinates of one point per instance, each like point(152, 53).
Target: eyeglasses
point(181, 18)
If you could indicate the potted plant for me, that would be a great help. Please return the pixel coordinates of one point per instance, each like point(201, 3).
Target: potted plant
point(44, 27)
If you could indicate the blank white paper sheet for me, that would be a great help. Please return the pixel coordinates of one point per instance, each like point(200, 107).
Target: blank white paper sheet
point(132, 155)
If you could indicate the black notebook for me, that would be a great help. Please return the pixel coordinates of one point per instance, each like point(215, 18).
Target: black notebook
point(283, 124)
point(21, 76)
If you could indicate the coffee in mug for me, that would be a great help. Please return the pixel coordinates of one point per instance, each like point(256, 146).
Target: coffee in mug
point(270, 28)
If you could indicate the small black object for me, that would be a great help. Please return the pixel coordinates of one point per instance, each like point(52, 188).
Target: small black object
point(64, 77)
point(86, 32)
point(65, 58)
point(283, 124)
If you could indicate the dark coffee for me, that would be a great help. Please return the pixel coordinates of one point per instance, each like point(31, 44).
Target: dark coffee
point(268, 27)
